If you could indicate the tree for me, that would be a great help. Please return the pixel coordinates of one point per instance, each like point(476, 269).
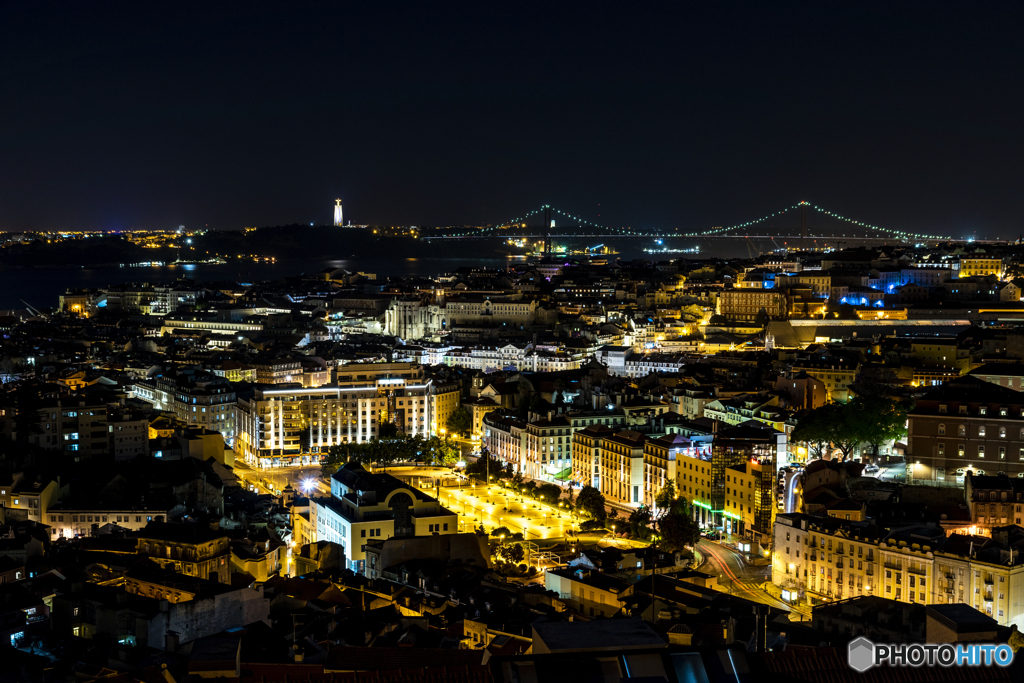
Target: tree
point(640, 523)
point(459, 422)
point(590, 502)
point(484, 464)
point(511, 552)
point(334, 458)
point(879, 419)
point(678, 529)
point(438, 451)
point(665, 500)
point(816, 430)
point(387, 430)
point(551, 493)
point(501, 531)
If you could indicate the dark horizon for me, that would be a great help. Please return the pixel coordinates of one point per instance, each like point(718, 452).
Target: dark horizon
point(150, 117)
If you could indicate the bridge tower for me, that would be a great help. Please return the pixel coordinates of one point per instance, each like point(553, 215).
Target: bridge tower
point(547, 230)
point(803, 219)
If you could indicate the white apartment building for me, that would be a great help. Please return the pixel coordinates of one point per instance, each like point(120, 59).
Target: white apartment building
point(367, 505)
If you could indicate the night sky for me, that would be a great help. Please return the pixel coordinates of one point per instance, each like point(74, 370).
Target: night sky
point(685, 114)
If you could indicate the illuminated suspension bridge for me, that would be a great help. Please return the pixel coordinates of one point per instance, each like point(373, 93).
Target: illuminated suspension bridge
point(792, 222)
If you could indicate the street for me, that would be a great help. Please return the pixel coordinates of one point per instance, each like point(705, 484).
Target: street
point(273, 481)
point(740, 577)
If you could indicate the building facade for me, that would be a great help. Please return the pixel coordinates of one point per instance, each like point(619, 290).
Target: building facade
point(824, 558)
point(292, 425)
point(365, 505)
point(966, 425)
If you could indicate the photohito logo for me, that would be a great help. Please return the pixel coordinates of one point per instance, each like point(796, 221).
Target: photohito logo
point(863, 654)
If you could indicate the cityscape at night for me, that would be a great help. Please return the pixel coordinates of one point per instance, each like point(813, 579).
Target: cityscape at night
point(511, 343)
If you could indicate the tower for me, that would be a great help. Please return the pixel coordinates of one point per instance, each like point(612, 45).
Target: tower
point(803, 219)
point(337, 212)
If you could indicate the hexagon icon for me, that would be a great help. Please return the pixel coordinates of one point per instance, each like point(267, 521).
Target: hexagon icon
point(861, 655)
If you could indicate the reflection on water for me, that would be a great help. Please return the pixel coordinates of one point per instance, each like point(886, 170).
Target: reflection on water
point(43, 287)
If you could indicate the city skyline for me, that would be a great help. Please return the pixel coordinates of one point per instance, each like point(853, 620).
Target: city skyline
point(646, 117)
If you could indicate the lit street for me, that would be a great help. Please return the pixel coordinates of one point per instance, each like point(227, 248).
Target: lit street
point(273, 481)
point(737, 576)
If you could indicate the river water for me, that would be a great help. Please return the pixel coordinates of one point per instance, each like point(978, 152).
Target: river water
point(41, 287)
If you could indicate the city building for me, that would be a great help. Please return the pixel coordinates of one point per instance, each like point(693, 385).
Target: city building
point(190, 549)
point(365, 505)
point(966, 425)
point(197, 398)
point(291, 425)
point(826, 558)
point(974, 266)
point(748, 304)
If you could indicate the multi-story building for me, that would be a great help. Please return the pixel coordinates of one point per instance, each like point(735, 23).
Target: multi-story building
point(748, 444)
point(940, 353)
point(544, 447)
point(670, 458)
point(445, 398)
point(966, 425)
point(591, 592)
point(196, 397)
point(586, 454)
point(233, 371)
point(827, 558)
point(190, 323)
point(747, 304)
point(75, 424)
point(547, 447)
point(836, 374)
point(278, 371)
point(510, 312)
point(129, 433)
point(993, 502)
point(1009, 375)
point(290, 425)
point(71, 521)
point(975, 266)
point(189, 549)
point(621, 473)
point(750, 500)
point(366, 505)
point(147, 299)
point(503, 438)
point(35, 497)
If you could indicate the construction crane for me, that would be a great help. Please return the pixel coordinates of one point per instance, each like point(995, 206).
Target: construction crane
point(33, 311)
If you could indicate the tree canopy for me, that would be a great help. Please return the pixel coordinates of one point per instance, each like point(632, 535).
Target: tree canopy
point(866, 419)
point(590, 501)
point(459, 422)
point(402, 448)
